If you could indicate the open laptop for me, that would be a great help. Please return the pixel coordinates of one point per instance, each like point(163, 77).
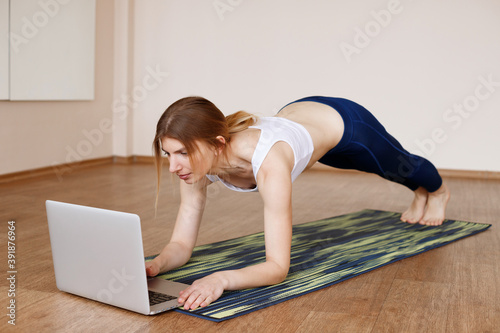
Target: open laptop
point(98, 254)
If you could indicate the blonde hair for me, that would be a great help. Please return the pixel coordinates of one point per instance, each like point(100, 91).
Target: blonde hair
point(239, 121)
point(195, 119)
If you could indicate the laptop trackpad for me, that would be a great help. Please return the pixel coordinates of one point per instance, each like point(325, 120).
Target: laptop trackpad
point(165, 286)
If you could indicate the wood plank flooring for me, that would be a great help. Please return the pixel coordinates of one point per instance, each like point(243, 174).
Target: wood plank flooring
point(455, 288)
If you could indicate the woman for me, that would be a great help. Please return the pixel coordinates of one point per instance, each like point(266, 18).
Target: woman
point(267, 154)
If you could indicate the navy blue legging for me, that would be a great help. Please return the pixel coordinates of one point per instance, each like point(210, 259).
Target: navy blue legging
point(366, 146)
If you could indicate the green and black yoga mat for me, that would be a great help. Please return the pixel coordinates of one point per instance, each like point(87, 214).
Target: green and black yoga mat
point(323, 253)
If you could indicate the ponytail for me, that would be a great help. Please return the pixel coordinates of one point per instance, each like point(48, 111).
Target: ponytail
point(240, 121)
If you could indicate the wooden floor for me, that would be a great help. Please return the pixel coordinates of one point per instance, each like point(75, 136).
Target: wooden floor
point(455, 288)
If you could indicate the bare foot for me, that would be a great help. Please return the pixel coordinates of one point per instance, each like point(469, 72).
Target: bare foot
point(436, 206)
point(415, 212)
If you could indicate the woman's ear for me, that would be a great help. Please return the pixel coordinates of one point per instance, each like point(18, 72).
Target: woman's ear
point(222, 144)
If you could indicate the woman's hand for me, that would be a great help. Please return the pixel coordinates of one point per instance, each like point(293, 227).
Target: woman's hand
point(202, 292)
point(152, 268)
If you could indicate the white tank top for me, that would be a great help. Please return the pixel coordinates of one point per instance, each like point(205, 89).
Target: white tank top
point(272, 130)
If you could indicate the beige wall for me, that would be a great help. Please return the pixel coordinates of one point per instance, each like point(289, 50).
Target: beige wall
point(41, 134)
point(420, 66)
point(429, 71)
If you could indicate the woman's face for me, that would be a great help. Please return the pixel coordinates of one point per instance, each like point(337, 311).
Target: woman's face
point(180, 163)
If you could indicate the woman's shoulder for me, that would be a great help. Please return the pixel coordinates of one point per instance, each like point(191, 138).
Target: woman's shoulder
point(243, 143)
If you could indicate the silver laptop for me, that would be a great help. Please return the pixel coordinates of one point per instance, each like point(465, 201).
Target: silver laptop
point(98, 254)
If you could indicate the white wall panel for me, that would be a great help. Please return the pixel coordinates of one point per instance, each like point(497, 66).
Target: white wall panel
point(52, 49)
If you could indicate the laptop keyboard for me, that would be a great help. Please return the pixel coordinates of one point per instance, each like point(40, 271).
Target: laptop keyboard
point(157, 298)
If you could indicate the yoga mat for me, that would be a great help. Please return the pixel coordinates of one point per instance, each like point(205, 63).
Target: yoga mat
point(324, 252)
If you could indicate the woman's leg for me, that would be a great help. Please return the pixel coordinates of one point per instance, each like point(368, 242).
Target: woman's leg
point(372, 149)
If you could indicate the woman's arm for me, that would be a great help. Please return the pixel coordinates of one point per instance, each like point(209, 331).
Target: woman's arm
point(178, 251)
point(275, 187)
